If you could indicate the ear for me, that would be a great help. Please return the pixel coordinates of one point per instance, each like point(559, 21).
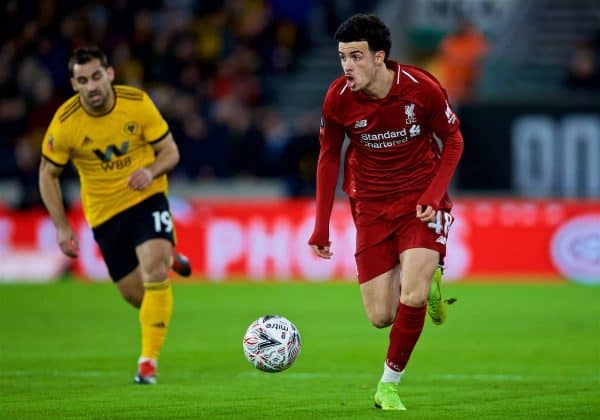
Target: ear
point(379, 57)
point(74, 84)
point(110, 73)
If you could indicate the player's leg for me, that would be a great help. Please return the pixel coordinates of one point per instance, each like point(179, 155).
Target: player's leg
point(378, 276)
point(417, 267)
point(380, 293)
point(380, 297)
point(154, 256)
point(417, 250)
point(152, 232)
point(131, 288)
point(114, 240)
point(138, 254)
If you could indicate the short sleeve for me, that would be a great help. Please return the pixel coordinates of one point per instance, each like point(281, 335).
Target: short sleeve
point(55, 146)
point(155, 126)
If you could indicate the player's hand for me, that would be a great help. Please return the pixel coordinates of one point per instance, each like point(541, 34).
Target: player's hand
point(67, 241)
point(427, 215)
point(322, 251)
point(140, 179)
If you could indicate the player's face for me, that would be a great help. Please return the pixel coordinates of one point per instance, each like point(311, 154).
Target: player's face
point(93, 82)
point(358, 63)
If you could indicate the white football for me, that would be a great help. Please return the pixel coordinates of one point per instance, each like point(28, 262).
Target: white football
point(271, 343)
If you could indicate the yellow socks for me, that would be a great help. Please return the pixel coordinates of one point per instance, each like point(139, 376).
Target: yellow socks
point(155, 315)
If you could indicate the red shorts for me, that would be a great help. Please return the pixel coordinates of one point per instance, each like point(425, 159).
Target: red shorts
point(381, 237)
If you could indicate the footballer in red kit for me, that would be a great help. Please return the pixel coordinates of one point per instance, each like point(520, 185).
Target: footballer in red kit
point(404, 147)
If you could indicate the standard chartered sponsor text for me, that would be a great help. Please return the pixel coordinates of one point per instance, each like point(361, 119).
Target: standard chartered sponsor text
point(393, 138)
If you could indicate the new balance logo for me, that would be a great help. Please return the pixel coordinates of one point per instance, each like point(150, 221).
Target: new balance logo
point(159, 325)
point(415, 130)
point(360, 124)
point(86, 141)
point(450, 114)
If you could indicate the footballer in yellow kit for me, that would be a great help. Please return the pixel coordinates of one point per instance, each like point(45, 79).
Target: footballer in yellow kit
point(107, 149)
point(122, 149)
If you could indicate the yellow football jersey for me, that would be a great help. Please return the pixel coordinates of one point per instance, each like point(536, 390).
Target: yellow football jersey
point(107, 149)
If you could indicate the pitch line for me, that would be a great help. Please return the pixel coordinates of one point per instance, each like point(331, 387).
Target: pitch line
point(484, 377)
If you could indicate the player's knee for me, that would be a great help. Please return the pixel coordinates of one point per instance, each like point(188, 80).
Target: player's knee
point(156, 272)
point(381, 319)
point(413, 298)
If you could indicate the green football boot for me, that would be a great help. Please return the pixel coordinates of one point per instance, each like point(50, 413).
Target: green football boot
point(436, 305)
point(387, 397)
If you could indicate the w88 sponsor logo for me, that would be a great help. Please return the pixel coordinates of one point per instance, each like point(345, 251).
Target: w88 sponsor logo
point(116, 164)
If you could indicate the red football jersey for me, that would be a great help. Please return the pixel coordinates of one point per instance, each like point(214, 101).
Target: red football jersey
point(403, 149)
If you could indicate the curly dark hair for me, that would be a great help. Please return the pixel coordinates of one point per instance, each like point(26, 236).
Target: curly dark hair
point(363, 27)
point(86, 54)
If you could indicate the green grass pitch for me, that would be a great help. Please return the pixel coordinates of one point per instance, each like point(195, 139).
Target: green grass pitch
point(69, 350)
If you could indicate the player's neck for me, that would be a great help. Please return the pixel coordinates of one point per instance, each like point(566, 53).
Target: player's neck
point(381, 84)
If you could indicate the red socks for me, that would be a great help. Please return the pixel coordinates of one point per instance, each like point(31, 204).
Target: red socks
point(404, 334)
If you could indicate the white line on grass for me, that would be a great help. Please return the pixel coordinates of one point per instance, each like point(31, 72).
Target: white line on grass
point(320, 375)
point(61, 373)
point(446, 376)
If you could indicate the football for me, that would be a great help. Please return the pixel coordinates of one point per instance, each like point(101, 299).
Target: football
point(271, 343)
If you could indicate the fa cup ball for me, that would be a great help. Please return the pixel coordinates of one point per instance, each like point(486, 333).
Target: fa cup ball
point(271, 343)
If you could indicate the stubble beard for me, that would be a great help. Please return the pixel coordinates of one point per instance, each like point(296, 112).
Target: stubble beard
point(99, 105)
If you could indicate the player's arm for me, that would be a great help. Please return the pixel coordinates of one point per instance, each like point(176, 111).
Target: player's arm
point(331, 138)
point(166, 157)
point(49, 174)
point(444, 123)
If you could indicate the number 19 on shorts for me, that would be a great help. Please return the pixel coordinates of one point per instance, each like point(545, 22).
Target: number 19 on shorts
point(162, 221)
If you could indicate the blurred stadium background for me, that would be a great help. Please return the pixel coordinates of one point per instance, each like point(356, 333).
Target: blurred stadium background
point(240, 83)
